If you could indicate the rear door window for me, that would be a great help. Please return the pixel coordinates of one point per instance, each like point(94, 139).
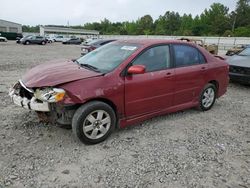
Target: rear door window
point(187, 55)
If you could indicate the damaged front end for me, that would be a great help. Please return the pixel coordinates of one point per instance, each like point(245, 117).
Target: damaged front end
point(24, 97)
point(45, 101)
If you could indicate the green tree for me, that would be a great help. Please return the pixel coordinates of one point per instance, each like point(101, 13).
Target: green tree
point(160, 26)
point(242, 13)
point(145, 25)
point(242, 32)
point(216, 18)
point(30, 29)
point(173, 22)
point(186, 25)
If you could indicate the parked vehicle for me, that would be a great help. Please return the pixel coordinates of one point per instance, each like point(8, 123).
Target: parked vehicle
point(61, 38)
point(88, 40)
point(18, 39)
point(50, 39)
point(33, 40)
point(239, 70)
point(123, 83)
point(72, 41)
point(212, 48)
point(94, 44)
point(10, 35)
point(237, 49)
point(3, 39)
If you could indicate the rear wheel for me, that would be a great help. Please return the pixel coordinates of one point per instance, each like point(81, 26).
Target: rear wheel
point(207, 97)
point(43, 43)
point(93, 122)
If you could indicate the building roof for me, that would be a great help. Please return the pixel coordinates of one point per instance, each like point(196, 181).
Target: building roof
point(10, 22)
point(69, 30)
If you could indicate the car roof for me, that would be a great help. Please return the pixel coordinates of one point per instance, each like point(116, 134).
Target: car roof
point(148, 42)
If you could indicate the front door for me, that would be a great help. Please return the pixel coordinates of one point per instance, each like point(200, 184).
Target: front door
point(153, 90)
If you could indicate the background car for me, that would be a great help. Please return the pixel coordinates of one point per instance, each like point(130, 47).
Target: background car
point(72, 41)
point(50, 39)
point(239, 66)
point(94, 44)
point(33, 40)
point(18, 40)
point(212, 48)
point(3, 39)
point(236, 49)
point(59, 38)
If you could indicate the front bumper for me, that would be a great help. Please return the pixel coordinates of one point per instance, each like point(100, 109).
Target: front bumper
point(237, 77)
point(30, 104)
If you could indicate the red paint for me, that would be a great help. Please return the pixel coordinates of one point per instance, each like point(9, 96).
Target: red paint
point(136, 97)
point(54, 73)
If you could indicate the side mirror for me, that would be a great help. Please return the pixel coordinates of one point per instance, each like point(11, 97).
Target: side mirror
point(136, 69)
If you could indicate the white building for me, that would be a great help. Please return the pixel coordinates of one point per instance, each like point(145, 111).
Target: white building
point(7, 26)
point(44, 30)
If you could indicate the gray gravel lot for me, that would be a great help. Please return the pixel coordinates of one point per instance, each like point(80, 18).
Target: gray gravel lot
point(184, 149)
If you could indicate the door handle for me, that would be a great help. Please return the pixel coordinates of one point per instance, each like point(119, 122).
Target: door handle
point(169, 74)
point(203, 68)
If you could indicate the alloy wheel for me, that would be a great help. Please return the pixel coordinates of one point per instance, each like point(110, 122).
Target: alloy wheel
point(208, 97)
point(96, 124)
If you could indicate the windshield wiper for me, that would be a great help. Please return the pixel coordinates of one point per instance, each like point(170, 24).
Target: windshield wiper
point(91, 67)
point(75, 61)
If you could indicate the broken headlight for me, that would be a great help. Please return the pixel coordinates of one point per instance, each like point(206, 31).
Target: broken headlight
point(50, 94)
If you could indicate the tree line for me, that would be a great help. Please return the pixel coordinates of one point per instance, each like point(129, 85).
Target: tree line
point(216, 20)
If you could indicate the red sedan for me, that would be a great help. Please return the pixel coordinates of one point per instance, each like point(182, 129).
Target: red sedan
point(122, 83)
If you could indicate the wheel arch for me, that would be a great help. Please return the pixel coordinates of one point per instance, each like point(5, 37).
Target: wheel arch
point(107, 101)
point(104, 100)
point(216, 84)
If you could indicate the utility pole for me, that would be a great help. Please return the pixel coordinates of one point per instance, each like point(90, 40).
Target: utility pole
point(234, 21)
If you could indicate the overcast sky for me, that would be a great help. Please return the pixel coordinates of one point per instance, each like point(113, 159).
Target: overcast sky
point(78, 12)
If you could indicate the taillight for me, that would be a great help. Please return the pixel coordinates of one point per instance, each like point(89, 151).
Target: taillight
point(92, 48)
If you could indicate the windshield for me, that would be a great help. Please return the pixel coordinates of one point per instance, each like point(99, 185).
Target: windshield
point(108, 57)
point(245, 52)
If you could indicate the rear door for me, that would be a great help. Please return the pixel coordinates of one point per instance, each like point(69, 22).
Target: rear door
point(153, 90)
point(190, 73)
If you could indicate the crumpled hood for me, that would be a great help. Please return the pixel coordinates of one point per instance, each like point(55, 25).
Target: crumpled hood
point(56, 72)
point(241, 61)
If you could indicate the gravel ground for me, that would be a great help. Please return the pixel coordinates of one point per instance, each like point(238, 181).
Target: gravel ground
point(184, 149)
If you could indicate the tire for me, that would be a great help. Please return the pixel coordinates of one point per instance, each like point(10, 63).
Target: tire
point(97, 129)
point(43, 42)
point(207, 97)
point(27, 42)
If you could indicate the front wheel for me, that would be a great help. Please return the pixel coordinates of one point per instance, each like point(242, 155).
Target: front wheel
point(93, 122)
point(207, 97)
